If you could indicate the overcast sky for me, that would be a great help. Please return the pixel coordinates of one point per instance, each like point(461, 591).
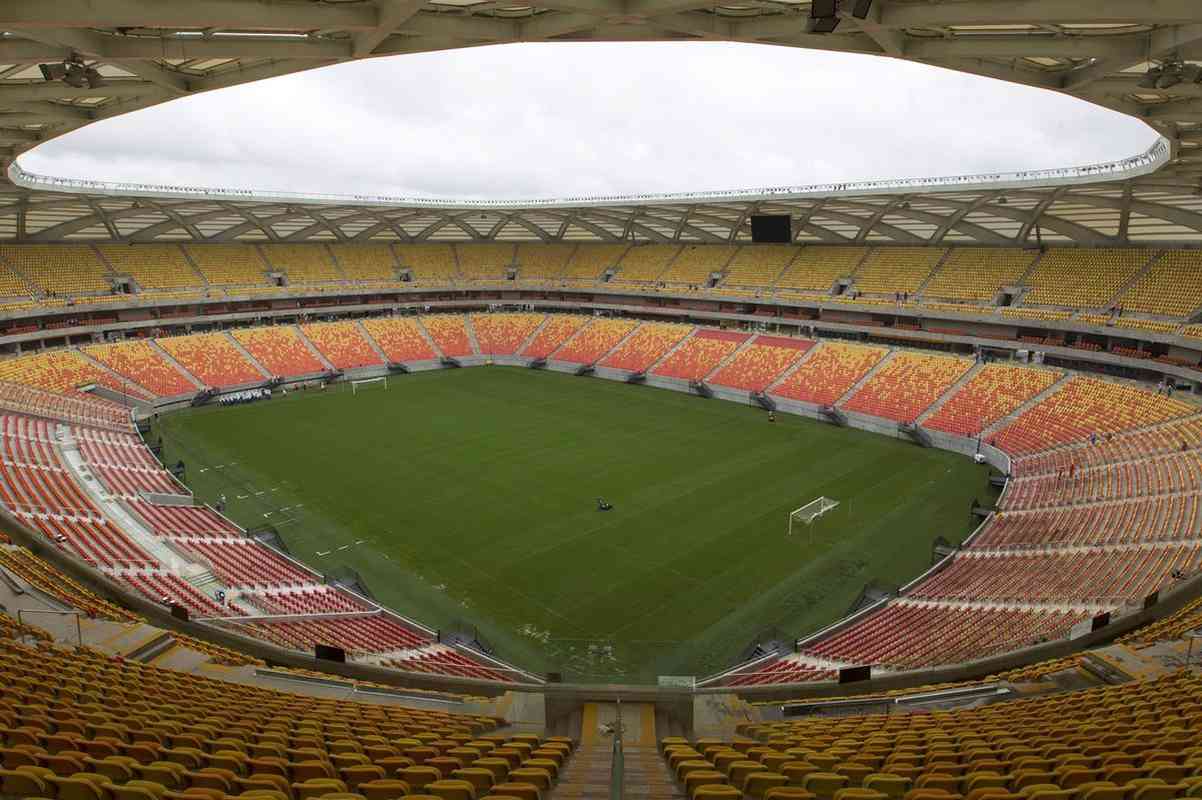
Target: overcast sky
point(546, 120)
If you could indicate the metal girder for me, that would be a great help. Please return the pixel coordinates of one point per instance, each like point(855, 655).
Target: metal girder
point(389, 15)
point(93, 45)
point(32, 92)
point(1140, 49)
point(1039, 12)
point(250, 15)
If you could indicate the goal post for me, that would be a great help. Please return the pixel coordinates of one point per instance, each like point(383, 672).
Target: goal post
point(365, 383)
point(807, 514)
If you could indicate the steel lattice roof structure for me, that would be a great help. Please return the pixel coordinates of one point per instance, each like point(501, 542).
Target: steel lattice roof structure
point(151, 51)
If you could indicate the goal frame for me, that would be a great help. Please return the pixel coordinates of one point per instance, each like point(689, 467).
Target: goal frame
point(356, 383)
point(799, 516)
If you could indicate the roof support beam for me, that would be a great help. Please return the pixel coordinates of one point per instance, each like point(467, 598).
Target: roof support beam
point(93, 46)
point(390, 15)
point(248, 15)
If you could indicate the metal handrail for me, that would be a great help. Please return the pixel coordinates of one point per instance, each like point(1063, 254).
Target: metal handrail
point(617, 769)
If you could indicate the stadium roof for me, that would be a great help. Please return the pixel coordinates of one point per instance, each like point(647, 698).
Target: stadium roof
point(149, 51)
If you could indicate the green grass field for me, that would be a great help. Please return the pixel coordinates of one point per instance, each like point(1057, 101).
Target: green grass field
point(467, 497)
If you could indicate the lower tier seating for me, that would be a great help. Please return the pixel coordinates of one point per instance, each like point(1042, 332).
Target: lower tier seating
point(762, 363)
point(145, 366)
point(503, 334)
point(244, 563)
point(1086, 407)
point(829, 373)
point(400, 339)
point(1101, 576)
point(212, 358)
point(645, 346)
point(449, 333)
point(342, 343)
point(907, 385)
point(595, 340)
point(698, 356)
point(912, 635)
point(990, 395)
point(280, 350)
point(559, 328)
point(1133, 521)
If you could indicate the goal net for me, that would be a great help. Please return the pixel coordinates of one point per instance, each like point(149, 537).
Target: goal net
point(810, 512)
point(367, 383)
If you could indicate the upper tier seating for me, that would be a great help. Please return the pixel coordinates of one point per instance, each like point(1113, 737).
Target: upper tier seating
point(696, 263)
point(993, 393)
point(888, 270)
point(907, 385)
point(590, 261)
point(976, 274)
point(280, 350)
point(755, 267)
point(64, 371)
point(153, 266)
point(911, 635)
point(761, 363)
point(484, 261)
point(1130, 740)
point(644, 263)
point(830, 372)
point(597, 339)
point(1082, 278)
point(698, 357)
point(142, 363)
point(645, 346)
point(123, 719)
point(65, 589)
point(431, 263)
point(59, 269)
point(816, 268)
point(542, 262)
point(212, 358)
point(450, 334)
point(229, 264)
point(1093, 576)
point(14, 286)
point(503, 334)
point(302, 263)
point(400, 339)
point(342, 343)
point(1085, 406)
point(559, 328)
point(1169, 288)
point(369, 263)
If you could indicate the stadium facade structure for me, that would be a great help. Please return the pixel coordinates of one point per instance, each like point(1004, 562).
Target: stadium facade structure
point(150, 52)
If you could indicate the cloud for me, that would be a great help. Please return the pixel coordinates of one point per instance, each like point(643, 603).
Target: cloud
point(554, 120)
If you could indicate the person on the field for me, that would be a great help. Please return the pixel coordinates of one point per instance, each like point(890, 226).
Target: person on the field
point(602, 505)
point(772, 416)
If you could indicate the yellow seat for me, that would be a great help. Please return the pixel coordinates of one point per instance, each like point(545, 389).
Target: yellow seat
point(758, 783)
point(77, 789)
point(788, 793)
point(717, 792)
point(452, 789)
point(383, 789)
point(519, 790)
point(317, 787)
point(824, 784)
point(538, 777)
point(482, 779)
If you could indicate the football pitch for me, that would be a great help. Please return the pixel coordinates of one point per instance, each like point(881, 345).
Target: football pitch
point(468, 499)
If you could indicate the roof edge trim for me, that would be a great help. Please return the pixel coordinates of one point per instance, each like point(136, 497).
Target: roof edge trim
point(1134, 166)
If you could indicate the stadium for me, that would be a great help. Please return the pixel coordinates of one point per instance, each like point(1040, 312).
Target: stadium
point(875, 490)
